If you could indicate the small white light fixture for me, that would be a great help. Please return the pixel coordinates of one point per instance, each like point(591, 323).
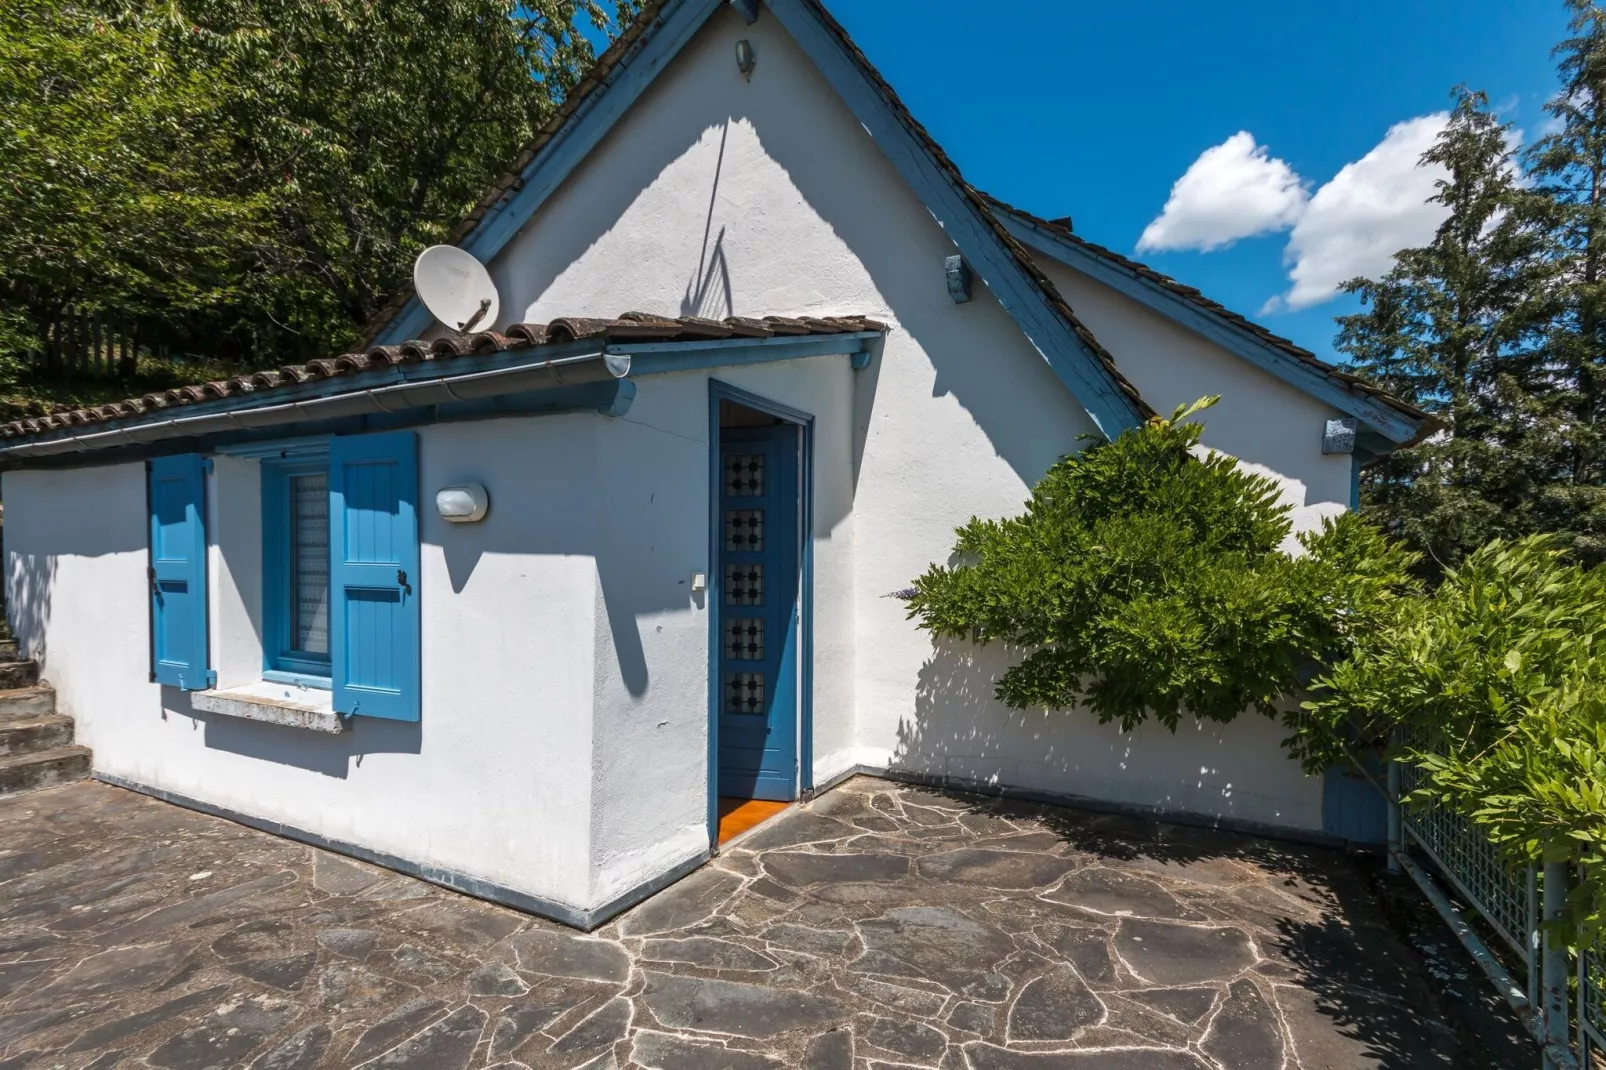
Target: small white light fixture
point(745, 58)
point(699, 582)
point(465, 503)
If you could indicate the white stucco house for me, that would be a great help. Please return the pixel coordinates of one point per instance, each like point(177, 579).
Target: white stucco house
point(761, 349)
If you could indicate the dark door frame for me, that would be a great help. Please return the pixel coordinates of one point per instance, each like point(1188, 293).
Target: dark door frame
point(804, 422)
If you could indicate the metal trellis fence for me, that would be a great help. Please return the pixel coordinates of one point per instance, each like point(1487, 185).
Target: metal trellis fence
point(1591, 1004)
point(1508, 901)
point(1512, 904)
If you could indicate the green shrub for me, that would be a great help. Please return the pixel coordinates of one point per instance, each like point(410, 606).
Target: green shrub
point(1495, 681)
point(1147, 578)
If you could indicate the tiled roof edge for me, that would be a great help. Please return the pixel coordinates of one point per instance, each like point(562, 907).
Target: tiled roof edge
point(630, 327)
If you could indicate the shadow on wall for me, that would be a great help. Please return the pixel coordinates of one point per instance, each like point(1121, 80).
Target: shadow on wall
point(712, 281)
point(730, 267)
point(961, 731)
point(328, 754)
point(43, 535)
point(964, 349)
point(621, 541)
point(28, 593)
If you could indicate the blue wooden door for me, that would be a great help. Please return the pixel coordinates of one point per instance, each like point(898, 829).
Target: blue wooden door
point(757, 590)
point(374, 655)
point(177, 495)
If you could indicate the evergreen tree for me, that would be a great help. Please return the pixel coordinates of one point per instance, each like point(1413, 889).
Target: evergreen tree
point(1568, 169)
point(1452, 327)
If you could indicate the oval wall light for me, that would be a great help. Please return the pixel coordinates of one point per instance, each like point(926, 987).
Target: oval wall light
point(462, 504)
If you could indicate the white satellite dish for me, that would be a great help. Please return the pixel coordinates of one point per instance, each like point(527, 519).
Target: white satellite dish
point(455, 288)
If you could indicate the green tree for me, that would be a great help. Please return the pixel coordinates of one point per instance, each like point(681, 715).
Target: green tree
point(1568, 169)
point(1453, 327)
point(374, 126)
point(1496, 683)
point(1148, 577)
point(113, 197)
point(253, 178)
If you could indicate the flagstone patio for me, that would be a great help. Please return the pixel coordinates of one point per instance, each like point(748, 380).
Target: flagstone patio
point(881, 926)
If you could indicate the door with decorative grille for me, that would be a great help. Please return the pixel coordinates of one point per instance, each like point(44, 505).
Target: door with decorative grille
point(757, 588)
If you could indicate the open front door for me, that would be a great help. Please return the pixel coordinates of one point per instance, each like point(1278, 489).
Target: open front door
point(758, 618)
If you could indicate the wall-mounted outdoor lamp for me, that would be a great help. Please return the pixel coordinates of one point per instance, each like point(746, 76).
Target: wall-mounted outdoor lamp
point(465, 503)
point(745, 58)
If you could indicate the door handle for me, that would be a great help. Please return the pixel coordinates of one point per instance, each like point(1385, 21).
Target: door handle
point(401, 581)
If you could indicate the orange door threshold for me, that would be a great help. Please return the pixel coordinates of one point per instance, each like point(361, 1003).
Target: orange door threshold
point(736, 816)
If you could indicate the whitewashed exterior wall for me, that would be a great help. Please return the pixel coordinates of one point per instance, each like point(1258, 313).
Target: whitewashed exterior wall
point(649, 793)
point(717, 196)
point(1239, 770)
point(1269, 426)
point(492, 782)
point(562, 750)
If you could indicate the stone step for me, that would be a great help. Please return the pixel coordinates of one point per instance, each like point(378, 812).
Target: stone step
point(31, 735)
point(15, 674)
point(26, 772)
point(26, 702)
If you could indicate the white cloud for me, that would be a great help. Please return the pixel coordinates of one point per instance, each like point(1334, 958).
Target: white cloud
point(1234, 190)
point(1370, 210)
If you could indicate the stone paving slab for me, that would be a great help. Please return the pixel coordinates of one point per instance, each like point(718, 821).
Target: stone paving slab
point(880, 927)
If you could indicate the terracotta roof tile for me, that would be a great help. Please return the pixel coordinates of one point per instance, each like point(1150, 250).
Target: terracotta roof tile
point(748, 327)
point(631, 327)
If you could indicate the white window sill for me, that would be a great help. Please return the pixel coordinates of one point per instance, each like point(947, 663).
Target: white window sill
point(281, 704)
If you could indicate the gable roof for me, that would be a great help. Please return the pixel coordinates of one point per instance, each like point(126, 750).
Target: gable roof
point(1398, 422)
point(645, 49)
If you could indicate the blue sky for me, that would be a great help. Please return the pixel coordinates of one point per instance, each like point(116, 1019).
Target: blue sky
point(1094, 111)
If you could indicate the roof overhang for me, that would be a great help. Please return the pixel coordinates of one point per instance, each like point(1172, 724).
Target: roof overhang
point(592, 374)
point(1386, 423)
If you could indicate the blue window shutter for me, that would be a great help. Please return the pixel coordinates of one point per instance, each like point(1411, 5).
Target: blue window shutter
point(177, 501)
point(373, 578)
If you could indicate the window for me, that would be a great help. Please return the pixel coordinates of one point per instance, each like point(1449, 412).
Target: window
point(295, 553)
